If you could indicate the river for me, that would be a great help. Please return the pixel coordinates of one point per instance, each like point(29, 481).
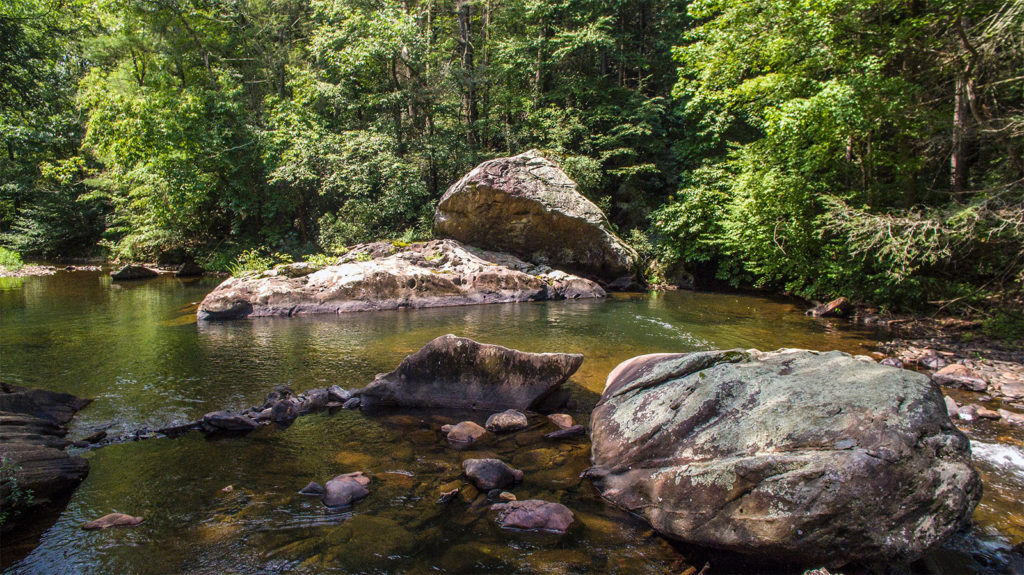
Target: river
point(138, 351)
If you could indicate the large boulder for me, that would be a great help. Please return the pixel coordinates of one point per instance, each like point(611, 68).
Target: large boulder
point(797, 455)
point(382, 276)
point(526, 205)
point(130, 272)
point(456, 372)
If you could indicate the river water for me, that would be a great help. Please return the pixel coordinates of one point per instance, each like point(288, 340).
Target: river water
point(138, 351)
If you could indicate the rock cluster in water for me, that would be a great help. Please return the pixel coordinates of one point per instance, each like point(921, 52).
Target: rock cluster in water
point(524, 205)
point(796, 455)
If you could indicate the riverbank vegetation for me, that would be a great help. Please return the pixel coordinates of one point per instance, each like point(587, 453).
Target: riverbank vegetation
point(866, 148)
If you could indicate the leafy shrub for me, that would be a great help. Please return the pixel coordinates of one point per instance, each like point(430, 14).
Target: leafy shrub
point(10, 260)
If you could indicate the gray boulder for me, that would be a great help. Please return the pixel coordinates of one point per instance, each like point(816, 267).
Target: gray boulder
point(456, 372)
point(345, 488)
point(794, 454)
point(526, 205)
point(463, 432)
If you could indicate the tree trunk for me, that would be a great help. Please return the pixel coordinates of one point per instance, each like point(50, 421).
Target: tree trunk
point(464, 12)
point(961, 115)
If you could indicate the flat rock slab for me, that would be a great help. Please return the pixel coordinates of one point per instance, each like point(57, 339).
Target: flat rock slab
point(32, 430)
point(456, 372)
point(526, 205)
point(112, 520)
point(534, 514)
point(380, 276)
point(797, 455)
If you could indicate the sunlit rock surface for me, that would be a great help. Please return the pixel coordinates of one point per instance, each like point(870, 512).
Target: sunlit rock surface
point(381, 276)
point(794, 454)
point(526, 205)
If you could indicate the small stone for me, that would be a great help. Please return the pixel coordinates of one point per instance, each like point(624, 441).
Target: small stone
point(95, 437)
point(113, 520)
point(986, 413)
point(932, 362)
point(463, 432)
point(489, 474)
point(951, 407)
point(506, 422)
point(561, 420)
point(506, 496)
point(345, 488)
point(352, 403)
point(574, 431)
point(534, 514)
point(337, 393)
point(967, 412)
point(892, 362)
point(1011, 417)
point(228, 421)
point(280, 392)
point(283, 411)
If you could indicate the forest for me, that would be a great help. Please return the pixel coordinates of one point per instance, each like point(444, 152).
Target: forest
point(872, 149)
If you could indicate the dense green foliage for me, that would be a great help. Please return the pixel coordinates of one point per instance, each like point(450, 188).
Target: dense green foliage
point(861, 147)
point(871, 148)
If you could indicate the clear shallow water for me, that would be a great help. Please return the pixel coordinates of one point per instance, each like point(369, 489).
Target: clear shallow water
point(137, 350)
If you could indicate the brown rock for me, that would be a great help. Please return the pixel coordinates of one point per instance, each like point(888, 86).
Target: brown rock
point(959, 376)
point(534, 514)
point(802, 456)
point(113, 520)
point(227, 421)
point(1011, 417)
point(562, 420)
point(189, 270)
point(455, 372)
point(574, 431)
point(526, 205)
point(345, 488)
point(488, 474)
point(463, 432)
point(507, 421)
point(986, 413)
point(431, 274)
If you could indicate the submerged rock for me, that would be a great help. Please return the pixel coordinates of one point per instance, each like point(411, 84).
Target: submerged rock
point(112, 520)
point(133, 273)
point(574, 431)
point(534, 514)
point(507, 421)
point(430, 274)
point(463, 432)
point(796, 455)
point(345, 488)
point(313, 488)
point(488, 474)
point(526, 205)
point(456, 372)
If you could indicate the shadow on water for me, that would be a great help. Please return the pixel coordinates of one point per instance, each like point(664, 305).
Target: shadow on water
point(137, 350)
